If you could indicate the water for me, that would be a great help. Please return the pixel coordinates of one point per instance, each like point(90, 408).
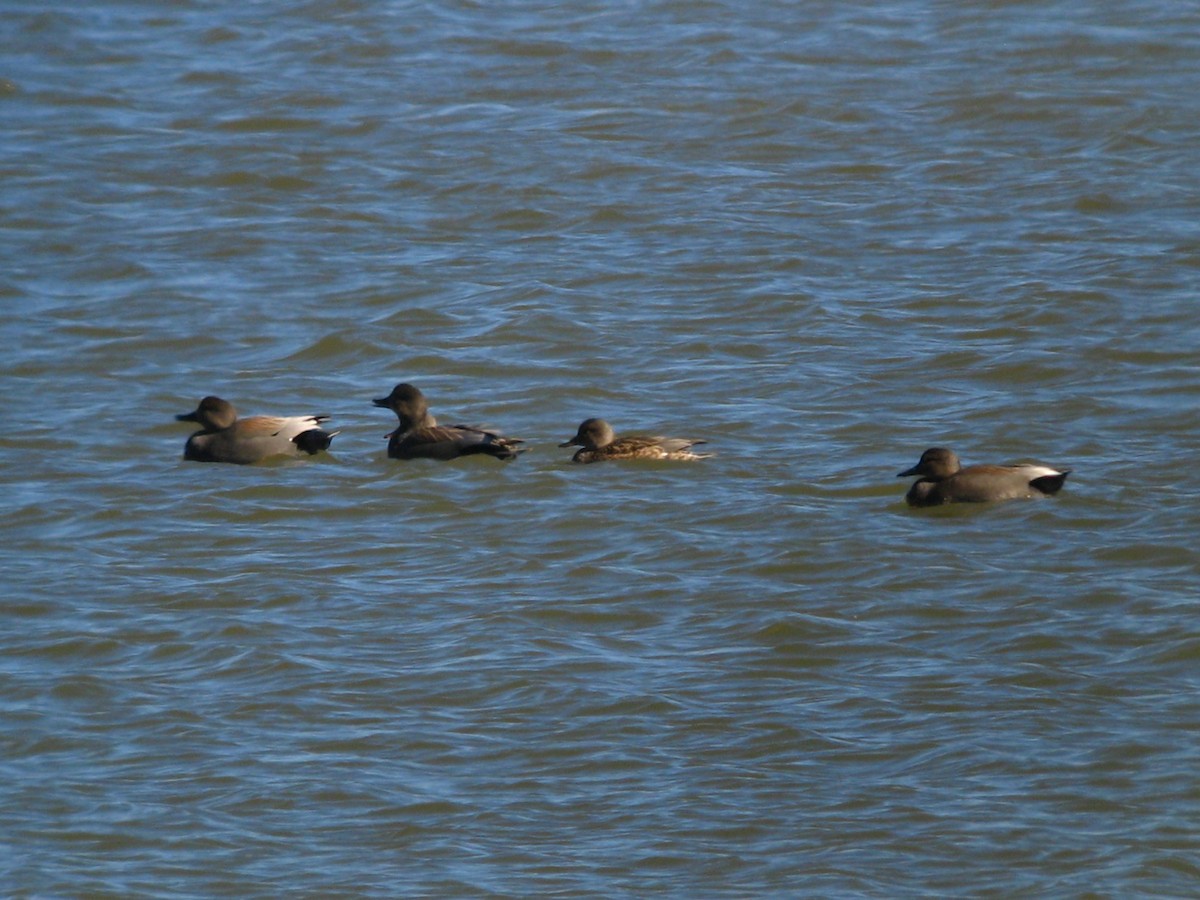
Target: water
point(822, 236)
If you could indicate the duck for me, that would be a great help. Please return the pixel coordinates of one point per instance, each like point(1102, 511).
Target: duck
point(944, 480)
point(598, 442)
point(223, 437)
point(420, 436)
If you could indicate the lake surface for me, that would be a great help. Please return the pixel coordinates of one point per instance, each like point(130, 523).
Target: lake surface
point(822, 236)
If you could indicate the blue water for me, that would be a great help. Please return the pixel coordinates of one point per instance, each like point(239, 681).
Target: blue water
point(822, 237)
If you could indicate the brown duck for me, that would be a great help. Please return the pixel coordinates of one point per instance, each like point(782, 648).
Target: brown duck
point(420, 436)
point(598, 442)
point(223, 437)
point(944, 480)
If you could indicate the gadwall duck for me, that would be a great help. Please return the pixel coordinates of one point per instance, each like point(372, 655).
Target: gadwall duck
point(943, 480)
point(596, 438)
point(419, 434)
point(223, 437)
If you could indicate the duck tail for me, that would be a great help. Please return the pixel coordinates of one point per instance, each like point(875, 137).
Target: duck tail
point(1050, 484)
point(314, 440)
point(507, 449)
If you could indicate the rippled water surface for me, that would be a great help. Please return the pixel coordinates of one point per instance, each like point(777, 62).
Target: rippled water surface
point(822, 236)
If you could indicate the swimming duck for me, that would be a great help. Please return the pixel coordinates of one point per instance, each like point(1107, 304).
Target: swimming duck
point(944, 480)
point(596, 438)
point(419, 434)
point(223, 437)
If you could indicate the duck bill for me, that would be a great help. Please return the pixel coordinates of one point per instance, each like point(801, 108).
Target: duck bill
point(381, 401)
point(187, 417)
point(573, 442)
point(908, 473)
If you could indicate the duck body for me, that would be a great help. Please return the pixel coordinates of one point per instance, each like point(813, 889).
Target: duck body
point(450, 442)
point(944, 480)
point(223, 437)
point(419, 436)
point(598, 442)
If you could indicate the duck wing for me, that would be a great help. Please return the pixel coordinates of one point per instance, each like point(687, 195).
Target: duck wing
point(450, 442)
